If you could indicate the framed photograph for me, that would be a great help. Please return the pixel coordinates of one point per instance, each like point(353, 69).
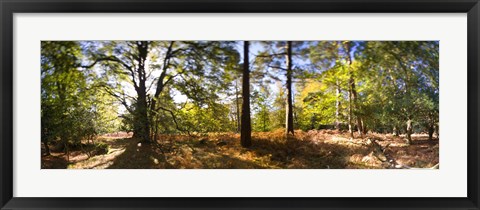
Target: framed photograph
point(239, 105)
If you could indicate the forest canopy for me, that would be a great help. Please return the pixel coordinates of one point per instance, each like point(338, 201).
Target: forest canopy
point(153, 89)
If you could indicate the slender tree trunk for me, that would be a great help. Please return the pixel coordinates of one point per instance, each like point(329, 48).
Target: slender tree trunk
point(237, 104)
point(353, 90)
point(407, 97)
point(159, 89)
point(47, 149)
point(160, 82)
point(359, 119)
point(289, 107)
point(431, 129)
point(67, 150)
point(364, 127)
point(350, 124)
point(409, 131)
point(395, 131)
point(337, 106)
point(351, 83)
point(63, 135)
point(246, 127)
point(294, 113)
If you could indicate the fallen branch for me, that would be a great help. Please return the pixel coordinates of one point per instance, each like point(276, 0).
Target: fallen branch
point(380, 154)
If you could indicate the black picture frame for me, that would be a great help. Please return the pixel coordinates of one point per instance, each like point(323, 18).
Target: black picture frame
point(10, 7)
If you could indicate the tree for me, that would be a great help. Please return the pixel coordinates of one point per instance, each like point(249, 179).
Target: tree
point(196, 69)
point(385, 81)
point(237, 105)
point(63, 87)
point(289, 112)
point(246, 129)
point(407, 80)
point(279, 107)
point(192, 87)
point(235, 96)
point(352, 95)
point(126, 61)
point(329, 66)
point(261, 107)
point(277, 59)
point(72, 108)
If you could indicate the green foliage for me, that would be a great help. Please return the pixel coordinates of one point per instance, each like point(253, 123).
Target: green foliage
point(94, 87)
point(261, 109)
point(315, 105)
point(277, 115)
point(71, 109)
point(403, 77)
point(394, 81)
point(209, 118)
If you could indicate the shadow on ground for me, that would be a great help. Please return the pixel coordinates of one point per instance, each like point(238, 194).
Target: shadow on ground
point(269, 150)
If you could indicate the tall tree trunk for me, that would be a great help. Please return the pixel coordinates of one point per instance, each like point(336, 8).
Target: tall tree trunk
point(337, 106)
point(350, 124)
point(142, 116)
point(289, 107)
point(353, 93)
point(246, 127)
point(142, 109)
point(359, 119)
point(237, 105)
point(295, 116)
point(350, 92)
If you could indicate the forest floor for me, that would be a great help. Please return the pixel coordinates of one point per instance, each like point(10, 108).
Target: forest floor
point(315, 149)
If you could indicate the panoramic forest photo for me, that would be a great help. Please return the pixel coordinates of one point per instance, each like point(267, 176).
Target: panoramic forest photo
point(239, 104)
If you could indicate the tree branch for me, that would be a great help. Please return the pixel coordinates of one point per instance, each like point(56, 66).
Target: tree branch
point(175, 120)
